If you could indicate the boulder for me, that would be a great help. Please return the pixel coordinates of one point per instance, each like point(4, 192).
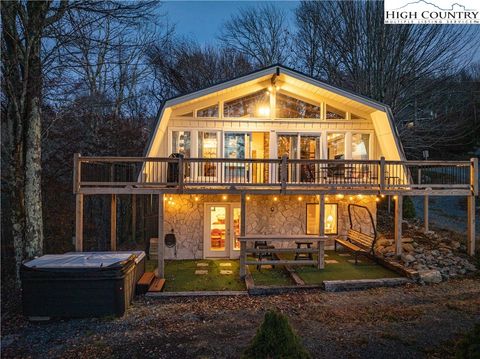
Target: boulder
point(407, 247)
point(430, 276)
point(408, 258)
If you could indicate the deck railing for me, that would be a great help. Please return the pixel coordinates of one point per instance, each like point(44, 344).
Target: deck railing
point(381, 175)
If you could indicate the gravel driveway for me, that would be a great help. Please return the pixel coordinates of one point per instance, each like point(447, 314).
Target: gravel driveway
point(404, 322)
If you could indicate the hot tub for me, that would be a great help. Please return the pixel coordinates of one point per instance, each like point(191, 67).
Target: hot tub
point(87, 284)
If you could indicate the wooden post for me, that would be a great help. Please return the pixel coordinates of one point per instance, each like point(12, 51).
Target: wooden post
point(321, 215)
point(382, 174)
point(398, 225)
point(471, 225)
point(76, 172)
point(134, 218)
point(425, 213)
point(161, 242)
point(113, 223)
point(79, 222)
point(243, 231)
point(321, 255)
point(284, 173)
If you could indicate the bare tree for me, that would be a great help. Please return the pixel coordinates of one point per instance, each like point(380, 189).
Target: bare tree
point(183, 66)
point(25, 27)
point(346, 43)
point(259, 32)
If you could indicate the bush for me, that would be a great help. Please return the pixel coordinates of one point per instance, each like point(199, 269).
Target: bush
point(408, 208)
point(275, 339)
point(469, 346)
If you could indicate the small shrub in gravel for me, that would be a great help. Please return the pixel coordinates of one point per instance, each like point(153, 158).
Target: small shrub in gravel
point(275, 339)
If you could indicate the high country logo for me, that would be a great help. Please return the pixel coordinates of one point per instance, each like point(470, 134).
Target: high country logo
point(432, 12)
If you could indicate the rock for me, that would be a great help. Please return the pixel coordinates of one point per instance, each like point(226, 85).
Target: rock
point(455, 244)
point(389, 249)
point(407, 247)
point(407, 240)
point(383, 242)
point(419, 250)
point(470, 267)
point(408, 258)
point(430, 276)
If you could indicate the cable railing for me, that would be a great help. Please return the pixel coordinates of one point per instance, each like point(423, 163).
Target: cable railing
point(282, 173)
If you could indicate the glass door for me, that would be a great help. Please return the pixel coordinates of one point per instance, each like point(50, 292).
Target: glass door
point(237, 146)
point(288, 145)
point(216, 231)
point(309, 150)
point(222, 228)
point(207, 149)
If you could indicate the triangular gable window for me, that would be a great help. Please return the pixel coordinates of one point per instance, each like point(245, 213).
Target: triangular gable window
point(290, 107)
point(256, 104)
point(335, 114)
point(211, 111)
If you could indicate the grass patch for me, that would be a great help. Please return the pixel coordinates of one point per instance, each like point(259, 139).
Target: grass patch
point(275, 339)
point(180, 276)
point(270, 277)
point(344, 270)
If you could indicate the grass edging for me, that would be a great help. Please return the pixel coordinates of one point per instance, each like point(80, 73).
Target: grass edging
point(206, 293)
point(361, 284)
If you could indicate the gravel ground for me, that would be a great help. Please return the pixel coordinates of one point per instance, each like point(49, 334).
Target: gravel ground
point(406, 322)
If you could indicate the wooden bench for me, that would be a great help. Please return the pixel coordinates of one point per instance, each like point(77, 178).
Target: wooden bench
point(358, 243)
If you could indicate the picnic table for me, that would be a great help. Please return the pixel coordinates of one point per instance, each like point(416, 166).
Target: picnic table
point(244, 251)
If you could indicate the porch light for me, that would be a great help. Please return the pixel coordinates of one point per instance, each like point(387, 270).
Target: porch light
point(395, 197)
point(377, 199)
point(300, 198)
point(264, 111)
point(224, 197)
point(382, 195)
point(351, 198)
point(360, 196)
point(196, 199)
point(275, 199)
point(340, 196)
point(248, 198)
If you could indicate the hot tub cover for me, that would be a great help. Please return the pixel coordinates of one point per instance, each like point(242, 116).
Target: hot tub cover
point(79, 260)
point(139, 255)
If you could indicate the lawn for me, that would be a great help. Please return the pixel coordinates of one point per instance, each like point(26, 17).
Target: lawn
point(343, 269)
point(180, 275)
point(270, 276)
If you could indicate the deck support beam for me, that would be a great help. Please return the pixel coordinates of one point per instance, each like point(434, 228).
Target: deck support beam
point(113, 223)
point(243, 232)
point(79, 222)
point(471, 225)
point(134, 218)
point(425, 213)
point(398, 224)
point(321, 215)
point(161, 242)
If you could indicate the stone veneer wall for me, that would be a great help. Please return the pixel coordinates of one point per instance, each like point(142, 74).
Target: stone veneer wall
point(287, 215)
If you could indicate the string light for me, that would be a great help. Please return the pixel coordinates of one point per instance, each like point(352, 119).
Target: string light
point(377, 199)
point(360, 196)
point(196, 199)
point(275, 199)
point(248, 198)
point(224, 197)
point(300, 198)
point(351, 198)
point(340, 196)
point(382, 195)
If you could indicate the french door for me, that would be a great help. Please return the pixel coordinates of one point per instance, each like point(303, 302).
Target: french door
point(300, 146)
point(221, 230)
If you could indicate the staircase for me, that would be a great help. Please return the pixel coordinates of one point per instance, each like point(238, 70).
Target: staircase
point(149, 283)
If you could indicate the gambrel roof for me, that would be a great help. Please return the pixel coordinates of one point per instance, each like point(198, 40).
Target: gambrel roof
point(380, 113)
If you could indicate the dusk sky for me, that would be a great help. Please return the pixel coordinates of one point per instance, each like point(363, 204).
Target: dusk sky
point(202, 20)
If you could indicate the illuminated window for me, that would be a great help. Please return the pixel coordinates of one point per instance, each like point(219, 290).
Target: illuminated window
point(335, 114)
point(360, 146)
point(331, 218)
point(336, 146)
point(256, 104)
point(290, 107)
point(211, 111)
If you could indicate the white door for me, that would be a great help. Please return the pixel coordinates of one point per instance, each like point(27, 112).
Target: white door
point(222, 227)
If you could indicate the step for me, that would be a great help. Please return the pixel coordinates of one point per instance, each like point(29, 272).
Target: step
point(144, 283)
point(157, 285)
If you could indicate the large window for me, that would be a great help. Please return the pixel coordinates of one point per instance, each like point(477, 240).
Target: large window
point(290, 107)
point(336, 146)
point(256, 104)
point(331, 218)
point(360, 146)
point(208, 148)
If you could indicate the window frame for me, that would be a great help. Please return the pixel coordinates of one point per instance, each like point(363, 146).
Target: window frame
point(318, 204)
